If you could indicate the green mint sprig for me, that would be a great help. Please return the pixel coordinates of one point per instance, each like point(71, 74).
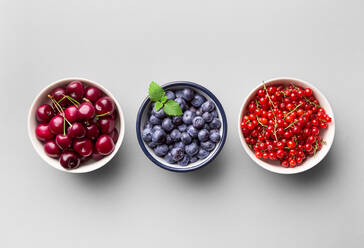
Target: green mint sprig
point(157, 95)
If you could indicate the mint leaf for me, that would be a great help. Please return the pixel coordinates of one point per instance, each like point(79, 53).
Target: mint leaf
point(155, 92)
point(172, 108)
point(164, 99)
point(158, 106)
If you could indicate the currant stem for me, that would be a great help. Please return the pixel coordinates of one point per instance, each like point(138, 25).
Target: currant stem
point(290, 112)
point(270, 100)
point(290, 125)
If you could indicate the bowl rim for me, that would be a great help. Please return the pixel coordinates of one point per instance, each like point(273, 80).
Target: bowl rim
point(145, 103)
point(266, 165)
point(107, 158)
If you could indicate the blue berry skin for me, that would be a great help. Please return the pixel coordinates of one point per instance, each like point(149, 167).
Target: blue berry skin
point(208, 106)
point(148, 125)
point(167, 124)
point(170, 95)
point(188, 117)
point(215, 124)
point(215, 136)
point(193, 132)
point(156, 127)
point(182, 128)
point(169, 159)
point(202, 153)
point(193, 159)
point(151, 144)
point(208, 145)
point(175, 135)
point(169, 140)
point(154, 120)
point(214, 114)
point(198, 122)
point(181, 102)
point(203, 135)
point(193, 109)
point(179, 93)
point(199, 112)
point(191, 149)
point(159, 136)
point(186, 138)
point(207, 117)
point(177, 153)
point(185, 161)
point(197, 100)
point(207, 127)
point(159, 114)
point(170, 147)
point(147, 134)
point(161, 150)
point(179, 145)
point(188, 94)
point(177, 120)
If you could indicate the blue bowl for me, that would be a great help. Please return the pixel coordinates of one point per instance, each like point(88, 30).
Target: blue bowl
point(143, 115)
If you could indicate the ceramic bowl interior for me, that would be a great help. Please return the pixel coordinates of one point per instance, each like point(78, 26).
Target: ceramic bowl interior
point(327, 134)
point(86, 166)
point(143, 116)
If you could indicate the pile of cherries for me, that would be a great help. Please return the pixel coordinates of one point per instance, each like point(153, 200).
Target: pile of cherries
point(283, 123)
point(78, 124)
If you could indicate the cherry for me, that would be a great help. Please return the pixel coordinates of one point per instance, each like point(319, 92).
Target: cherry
point(105, 105)
point(69, 160)
point(114, 135)
point(63, 141)
point(71, 113)
point(44, 113)
point(86, 111)
point(51, 148)
point(106, 124)
point(96, 156)
point(76, 130)
point(92, 131)
point(83, 147)
point(93, 94)
point(56, 124)
point(43, 132)
point(105, 145)
point(58, 94)
point(75, 90)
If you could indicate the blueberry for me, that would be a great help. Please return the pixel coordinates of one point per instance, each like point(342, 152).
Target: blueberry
point(208, 106)
point(198, 122)
point(202, 153)
point(159, 136)
point(207, 127)
point(215, 136)
point(182, 128)
point(169, 139)
point(179, 93)
point(147, 134)
point(198, 112)
point(192, 131)
point(175, 135)
point(181, 102)
point(154, 120)
point(186, 138)
point(193, 109)
point(193, 159)
point(170, 147)
point(177, 120)
point(214, 113)
point(170, 95)
point(188, 116)
point(177, 153)
point(188, 94)
point(167, 124)
point(197, 100)
point(208, 145)
point(191, 149)
point(215, 123)
point(161, 150)
point(207, 117)
point(169, 159)
point(179, 144)
point(148, 125)
point(156, 127)
point(185, 161)
point(159, 114)
point(203, 135)
point(151, 144)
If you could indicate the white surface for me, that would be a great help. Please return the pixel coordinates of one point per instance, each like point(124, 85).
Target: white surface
point(227, 46)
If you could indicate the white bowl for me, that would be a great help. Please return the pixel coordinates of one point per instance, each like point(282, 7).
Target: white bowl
point(86, 166)
point(327, 134)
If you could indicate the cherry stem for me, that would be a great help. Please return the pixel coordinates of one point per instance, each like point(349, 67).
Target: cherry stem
point(86, 100)
point(74, 101)
point(290, 112)
point(59, 109)
point(101, 115)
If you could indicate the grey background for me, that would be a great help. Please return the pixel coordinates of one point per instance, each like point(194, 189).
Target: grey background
point(229, 47)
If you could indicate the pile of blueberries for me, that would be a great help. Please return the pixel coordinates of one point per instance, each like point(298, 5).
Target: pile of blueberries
point(183, 139)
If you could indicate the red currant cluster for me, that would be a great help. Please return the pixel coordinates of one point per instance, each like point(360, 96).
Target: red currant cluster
point(78, 124)
point(283, 123)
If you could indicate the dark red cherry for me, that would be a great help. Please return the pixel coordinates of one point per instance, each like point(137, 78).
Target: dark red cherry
point(84, 147)
point(56, 124)
point(69, 160)
point(105, 145)
point(76, 130)
point(51, 148)
point(58, 94)
point(75, 90)
point(96, 156)
point(63, 141)
point(92, 131)
point(86, 111)
point(44, 113)
point(106, 124)
point(93, 93)
point(43, 132)
point(104, 105)
point(114, 135)
point(71, 113)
